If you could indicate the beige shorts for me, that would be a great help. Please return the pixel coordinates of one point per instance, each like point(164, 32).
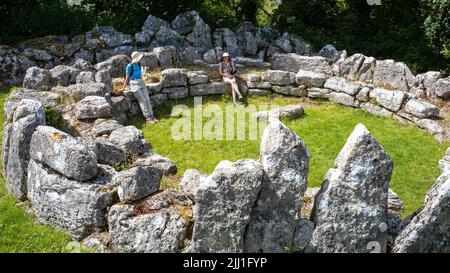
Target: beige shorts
point(228, 80)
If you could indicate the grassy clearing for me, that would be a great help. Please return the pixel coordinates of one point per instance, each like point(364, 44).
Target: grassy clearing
point(18, 233)
point(324, 128)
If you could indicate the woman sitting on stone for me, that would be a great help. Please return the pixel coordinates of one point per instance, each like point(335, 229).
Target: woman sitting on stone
point(138, 87)
point(227, 70)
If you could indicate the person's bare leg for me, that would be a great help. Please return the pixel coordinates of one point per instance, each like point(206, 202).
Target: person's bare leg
point(234, 95)
point(236, 89)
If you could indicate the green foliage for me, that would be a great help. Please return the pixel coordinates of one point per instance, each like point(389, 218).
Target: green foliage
point(22, 19)
point(395, 29)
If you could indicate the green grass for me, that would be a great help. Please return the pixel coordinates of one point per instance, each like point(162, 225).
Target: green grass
point(324, 128)
point(18, 233)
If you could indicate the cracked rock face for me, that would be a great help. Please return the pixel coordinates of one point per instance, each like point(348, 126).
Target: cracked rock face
point(285, 160)
point(63, 153)
point(137, 182)
point(74, 206)
point(159, 223)
point(351, 208)
point(28, 115)
point(224, 203)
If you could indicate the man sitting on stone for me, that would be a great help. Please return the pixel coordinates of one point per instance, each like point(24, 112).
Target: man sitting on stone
point(228, 70)
point(138, 87)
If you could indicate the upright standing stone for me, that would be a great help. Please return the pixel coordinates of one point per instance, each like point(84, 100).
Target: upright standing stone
point(285, 160)
point(28, 115)
point(350, 210)
point(224, 204)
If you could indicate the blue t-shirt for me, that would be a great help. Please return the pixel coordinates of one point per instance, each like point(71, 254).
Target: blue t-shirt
point(136, 71)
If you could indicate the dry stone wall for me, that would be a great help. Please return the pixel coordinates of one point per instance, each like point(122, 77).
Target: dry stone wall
point(67, 148)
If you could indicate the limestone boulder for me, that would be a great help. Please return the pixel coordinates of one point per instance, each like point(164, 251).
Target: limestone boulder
point(194, 28)
point(191, 181)
point(17, 135)
point(341, 85)
point(293, 62)
point(442, 88)
point(350, 211)
point(390, 99)
point(224, 203)
point(279, 77)
point(37, 78)
point(174, 77)
point(70, 205)
point(227, 40)
point(391, 74)
point(310, 79)
point(421, 108)
point(93, 107)
point(285, 160)
point(137, 182)
point(164, 164)
point(63, 153)
point(130, 139)
point(157, 224)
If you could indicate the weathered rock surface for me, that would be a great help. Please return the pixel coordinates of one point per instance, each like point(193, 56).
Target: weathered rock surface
point(164, 164)
point(191, 181)
point(427, 231)
point(279, 77)
point(63, 153)
point(77, 92)
point(173, 77)
point(285, 160)
point(104, 127)
point(330, 52)
point(28, 115)
point(341, 85)
point(350, 210)
point(197, 32)
point(197, 77)
point(289, 111)
point(390, 99)
point(227, 40)
point(303, 233)
point(137, 182)
point(310, 79)
point(77, 207)
point(343, 98)
point(114, 65)
point(159, 223)
point(93, 107)
point(212, 88)
point(442, 88)
point(37, 78)
point(392, 74)
point(175, 93)
point(421, 109)
point(293, 62)
point(224, 203)
point(130, 139)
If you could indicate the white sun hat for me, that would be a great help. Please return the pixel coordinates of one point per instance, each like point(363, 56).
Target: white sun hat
point(225, 55)
point(136, 57)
